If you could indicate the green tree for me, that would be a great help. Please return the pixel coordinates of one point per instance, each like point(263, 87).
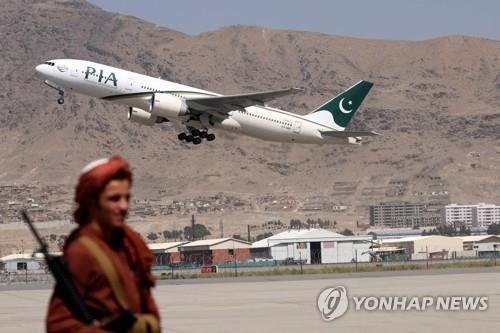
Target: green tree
point(295, 224)
point(177, 234)
point(200, 231)
point(152, 236)
point(238, 236)
point(174, 234)
point(464, 231)
point(60, 241)
point(448, 230)
point(347, 232)
point(494, 229)
point(167, 234)
point(263, 236)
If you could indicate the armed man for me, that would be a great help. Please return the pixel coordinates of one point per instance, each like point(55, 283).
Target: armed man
point(109, 263)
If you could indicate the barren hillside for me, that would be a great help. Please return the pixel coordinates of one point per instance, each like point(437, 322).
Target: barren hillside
point(435, 101)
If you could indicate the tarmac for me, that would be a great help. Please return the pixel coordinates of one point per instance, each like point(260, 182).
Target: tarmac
point(289, 303)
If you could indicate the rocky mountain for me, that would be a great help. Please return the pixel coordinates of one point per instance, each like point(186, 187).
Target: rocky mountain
point(435, 101)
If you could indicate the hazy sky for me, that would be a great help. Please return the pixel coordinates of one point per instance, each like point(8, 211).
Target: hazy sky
point(378, 19)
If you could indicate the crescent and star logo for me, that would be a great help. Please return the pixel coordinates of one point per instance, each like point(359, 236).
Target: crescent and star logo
point(333, 303)
point(341, 106)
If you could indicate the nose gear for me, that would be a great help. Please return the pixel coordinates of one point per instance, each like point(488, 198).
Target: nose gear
point(60, 90)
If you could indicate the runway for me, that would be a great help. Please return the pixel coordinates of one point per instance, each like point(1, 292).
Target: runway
point(289, 303)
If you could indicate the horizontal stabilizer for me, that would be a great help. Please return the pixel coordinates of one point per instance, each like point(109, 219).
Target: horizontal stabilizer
point(343, 134)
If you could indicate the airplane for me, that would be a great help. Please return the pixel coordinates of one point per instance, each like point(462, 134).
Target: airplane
point(154, 100)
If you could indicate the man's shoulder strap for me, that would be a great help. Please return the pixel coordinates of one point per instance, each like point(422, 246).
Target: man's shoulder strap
point(107, 267)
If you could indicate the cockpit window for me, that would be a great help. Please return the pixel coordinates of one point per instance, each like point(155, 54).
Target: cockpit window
point(49, 63)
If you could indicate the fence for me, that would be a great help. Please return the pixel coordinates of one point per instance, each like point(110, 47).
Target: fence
point(294, 267)
point(25, 277)
point(266, 267)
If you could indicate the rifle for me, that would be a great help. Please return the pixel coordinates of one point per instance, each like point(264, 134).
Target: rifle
point(59, 270)
point(67, 290)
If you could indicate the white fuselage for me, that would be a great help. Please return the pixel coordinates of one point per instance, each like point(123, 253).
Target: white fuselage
point(101, 81)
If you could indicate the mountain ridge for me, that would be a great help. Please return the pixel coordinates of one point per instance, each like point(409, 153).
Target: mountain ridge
point(436, 102)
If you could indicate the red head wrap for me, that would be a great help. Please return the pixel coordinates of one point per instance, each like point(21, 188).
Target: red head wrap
point(94, 177)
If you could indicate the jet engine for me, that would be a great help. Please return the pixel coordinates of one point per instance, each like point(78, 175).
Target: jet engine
point(142, 117)
point(168, 106)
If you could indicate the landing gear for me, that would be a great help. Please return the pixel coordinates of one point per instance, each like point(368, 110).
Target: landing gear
point(60, 100)
point(60, 90)
point(196, 136)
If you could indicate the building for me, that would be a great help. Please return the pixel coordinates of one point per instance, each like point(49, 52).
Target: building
point(22, 262)
point(427, 247)
point(458, 215)
point(215, 251)
point(484, 215)
point(395, 233)
point(313, 246)
point(481, 245)
point(480, 215)
point(166, 253)
point(405, 215)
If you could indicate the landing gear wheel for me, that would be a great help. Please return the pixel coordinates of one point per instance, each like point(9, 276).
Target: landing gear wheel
point(60, 101)
point(203, 134)
point(195, 132)
point(189, 138)
point(210, 137)
point(182, 136)
point(196, 141)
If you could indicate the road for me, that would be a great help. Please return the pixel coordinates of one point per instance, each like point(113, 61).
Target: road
point(288, 303)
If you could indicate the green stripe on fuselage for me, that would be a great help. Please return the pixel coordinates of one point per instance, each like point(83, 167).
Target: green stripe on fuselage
point(149, 93)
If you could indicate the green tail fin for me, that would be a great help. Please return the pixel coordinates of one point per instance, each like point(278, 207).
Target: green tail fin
point(343, 106)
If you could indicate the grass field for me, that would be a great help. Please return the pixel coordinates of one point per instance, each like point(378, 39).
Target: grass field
point(339, 268)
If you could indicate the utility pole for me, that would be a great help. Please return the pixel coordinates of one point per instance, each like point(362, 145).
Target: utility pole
point(356, 258)
point(495, 246)
point(427, 257)
point(221, 227)
point(192, 228)
point(248, 233)
point(235, 264)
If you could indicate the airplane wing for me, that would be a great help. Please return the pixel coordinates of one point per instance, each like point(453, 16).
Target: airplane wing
point(343, 134)
point(228, 103)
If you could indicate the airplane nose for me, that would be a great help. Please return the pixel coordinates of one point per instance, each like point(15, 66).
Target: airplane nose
point(39, 69)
